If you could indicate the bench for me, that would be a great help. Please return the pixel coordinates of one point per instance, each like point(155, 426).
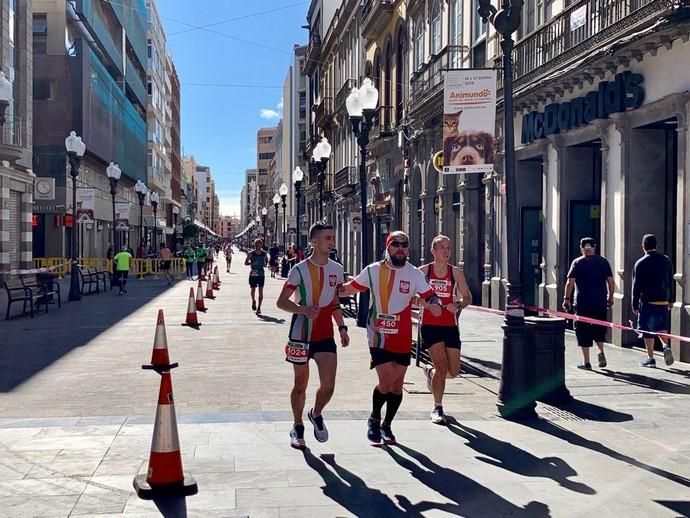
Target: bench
point(48, 290)
point(88, 280)
point(100, 276)
point(17, 292)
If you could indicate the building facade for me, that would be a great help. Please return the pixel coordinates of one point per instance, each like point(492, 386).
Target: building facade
point(176, 181)
point(16, 176)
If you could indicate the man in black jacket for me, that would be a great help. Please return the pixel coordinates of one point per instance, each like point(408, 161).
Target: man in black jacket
point(652, 297)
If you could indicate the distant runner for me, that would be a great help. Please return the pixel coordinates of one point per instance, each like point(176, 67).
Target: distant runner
point(257, 260)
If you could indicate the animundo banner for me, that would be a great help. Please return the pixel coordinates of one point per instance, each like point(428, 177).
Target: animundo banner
point(469, 121)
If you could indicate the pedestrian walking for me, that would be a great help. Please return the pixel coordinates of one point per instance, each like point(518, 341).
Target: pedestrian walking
point(211, 256)
point(440, 335)
point(393, 283)
point(122, 262)
point(274, 252)
point(165, 257)
point(652, 298)
point(189, 260)
point(311, 295)
point(228, 257)
point(257, 261)
point(591, 280)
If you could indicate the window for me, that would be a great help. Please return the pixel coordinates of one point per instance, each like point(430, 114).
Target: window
point(419, 42)
point(399, 74)
point(40, 33)
point(479, 55)
point(479, 25)
point(44, 90)
point(436, 26)
point(455, 33)
point(266, 156)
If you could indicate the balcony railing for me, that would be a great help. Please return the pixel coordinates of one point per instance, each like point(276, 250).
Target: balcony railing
point(579, 29)
point(428, 80)
point(383, 123)
point(323, 113)
point(346, 177)
point(12, 139)
point(375, 16)
point(313, 52)
point(343, 92)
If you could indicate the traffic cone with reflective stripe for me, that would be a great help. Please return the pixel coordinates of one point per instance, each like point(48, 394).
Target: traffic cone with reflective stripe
point(160, 360)
point(209, 289)
point(165, 476)
point(218, 278)
point(200, 306)
point(216, 282)
point(191, 320)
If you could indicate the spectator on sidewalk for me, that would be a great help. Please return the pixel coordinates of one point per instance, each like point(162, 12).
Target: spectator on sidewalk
point(122, 261)
point(591, 277)
point(189, 260)
point(652, 297)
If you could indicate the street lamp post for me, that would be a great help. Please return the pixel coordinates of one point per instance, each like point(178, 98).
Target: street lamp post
point(114, 173)
point(75, 152)
point(283, 191)
point(361, 105)
point(297, 178)
point(175, 212)
point(264, 213)
point(276, 204)
point(141, 190)
point(515, 395)
point(321, 155)
point(155, 198)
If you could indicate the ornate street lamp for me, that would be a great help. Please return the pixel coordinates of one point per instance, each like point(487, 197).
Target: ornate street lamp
point(114, 173)
point(321, 155)
point(515, 395)
point(141, 190)
point(155, 198)
point(175, 212)
point(75, 152)
point(361, 106)
point(276, 204)
point(283, 191)
point(264, 213)
point(297, 179)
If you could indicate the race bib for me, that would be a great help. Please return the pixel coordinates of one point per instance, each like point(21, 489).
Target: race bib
point(297, 352)
point(441, 287)
point(387, 324)
point(254, 273)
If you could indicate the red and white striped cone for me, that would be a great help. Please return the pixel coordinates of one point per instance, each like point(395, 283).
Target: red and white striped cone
point(160, 360)
point(218, 277)
point(165, 476)
point(200, 306)
point(216, 281)
point(191, 320)
point(209, 289)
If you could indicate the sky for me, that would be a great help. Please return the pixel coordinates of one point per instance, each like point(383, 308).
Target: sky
point(232, 57)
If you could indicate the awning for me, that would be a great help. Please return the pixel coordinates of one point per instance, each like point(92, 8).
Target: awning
point(246, 229)
point(200, 225)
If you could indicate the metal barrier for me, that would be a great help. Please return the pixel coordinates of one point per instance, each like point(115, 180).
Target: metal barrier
point(139, 267)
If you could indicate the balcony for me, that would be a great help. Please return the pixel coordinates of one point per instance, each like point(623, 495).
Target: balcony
point(375, 15)
point(580, 29)
point(383, 123)
point(323, 113)
point(346, 178)
point(313, 54)
point(12, 139)
point(427, 81)
point(342, 94)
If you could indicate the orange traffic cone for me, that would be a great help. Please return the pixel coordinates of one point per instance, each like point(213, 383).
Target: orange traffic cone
point(160, 361)
point(209, 289)
point(165, 476)
point(192, 320)
point(200, 306)
point(218, 278)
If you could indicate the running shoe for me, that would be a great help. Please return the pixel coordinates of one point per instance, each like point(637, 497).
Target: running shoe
point(585, 366)
point(387, 434)
point(258, 311)
point(320, 430)
point(297, 437)
point(253, 305)
point(649, 362)
point(437, 415)
point(374, 430)
point(668, 355)
point(602, 360)
point(429, 373)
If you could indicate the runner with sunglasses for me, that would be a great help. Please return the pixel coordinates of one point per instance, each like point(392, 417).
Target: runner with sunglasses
point(440, 334)
point(393, 284)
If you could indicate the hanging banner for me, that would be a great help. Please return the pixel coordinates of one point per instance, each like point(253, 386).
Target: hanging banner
point(469, 121)
point(121, 215)
point(86, 205)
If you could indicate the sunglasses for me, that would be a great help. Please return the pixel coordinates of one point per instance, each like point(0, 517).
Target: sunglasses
point(400, 244)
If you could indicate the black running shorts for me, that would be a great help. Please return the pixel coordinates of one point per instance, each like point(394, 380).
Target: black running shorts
point(381, 356)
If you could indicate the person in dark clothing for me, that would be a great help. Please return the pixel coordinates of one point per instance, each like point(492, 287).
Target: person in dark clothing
point(591, 277)
point(652, 297)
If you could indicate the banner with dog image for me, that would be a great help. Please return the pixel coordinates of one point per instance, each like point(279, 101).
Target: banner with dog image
point(469, 121)
point(86, 205)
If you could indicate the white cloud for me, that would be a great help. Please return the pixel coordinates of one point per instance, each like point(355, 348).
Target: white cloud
point(280, 104)
point(269, 114)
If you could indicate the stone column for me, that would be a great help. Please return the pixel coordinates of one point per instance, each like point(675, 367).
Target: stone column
point(472, 241)
point(550, 290)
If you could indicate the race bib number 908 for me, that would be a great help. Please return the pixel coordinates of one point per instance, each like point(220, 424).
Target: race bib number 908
point(297, 352)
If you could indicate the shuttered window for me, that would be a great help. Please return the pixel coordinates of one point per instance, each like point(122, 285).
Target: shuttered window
point(15, 228)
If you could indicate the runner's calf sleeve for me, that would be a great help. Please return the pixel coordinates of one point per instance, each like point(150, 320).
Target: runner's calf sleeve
point(393, 403)
point(377, 399)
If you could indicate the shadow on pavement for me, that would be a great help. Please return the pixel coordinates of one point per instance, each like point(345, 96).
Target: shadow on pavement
point(174, 507)
point(470, 497)
point(508, 456)
point(640, 380)
point(554, 430)
point(682, 507)
point(273, 320)
point(30, 345)
point(592, 412)
point(495, 366)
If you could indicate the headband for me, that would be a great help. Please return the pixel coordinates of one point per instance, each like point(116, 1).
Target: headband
point(392, 236)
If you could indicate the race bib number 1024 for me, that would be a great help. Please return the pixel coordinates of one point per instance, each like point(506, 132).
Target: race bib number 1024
point(297, 352)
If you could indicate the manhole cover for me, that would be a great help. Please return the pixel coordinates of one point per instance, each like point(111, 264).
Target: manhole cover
point(563, 414)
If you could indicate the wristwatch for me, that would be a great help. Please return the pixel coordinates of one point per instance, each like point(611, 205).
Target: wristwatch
point(341, 328)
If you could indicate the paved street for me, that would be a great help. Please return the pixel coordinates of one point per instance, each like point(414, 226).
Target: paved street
point(77, 413)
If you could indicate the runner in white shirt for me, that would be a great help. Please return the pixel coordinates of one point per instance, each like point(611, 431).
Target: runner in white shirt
point(393, 283)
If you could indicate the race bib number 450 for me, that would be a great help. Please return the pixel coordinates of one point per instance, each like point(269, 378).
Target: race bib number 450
point(387, 324)
point(297, 352)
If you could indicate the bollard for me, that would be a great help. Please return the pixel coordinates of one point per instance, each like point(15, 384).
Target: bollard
point(548, 336)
